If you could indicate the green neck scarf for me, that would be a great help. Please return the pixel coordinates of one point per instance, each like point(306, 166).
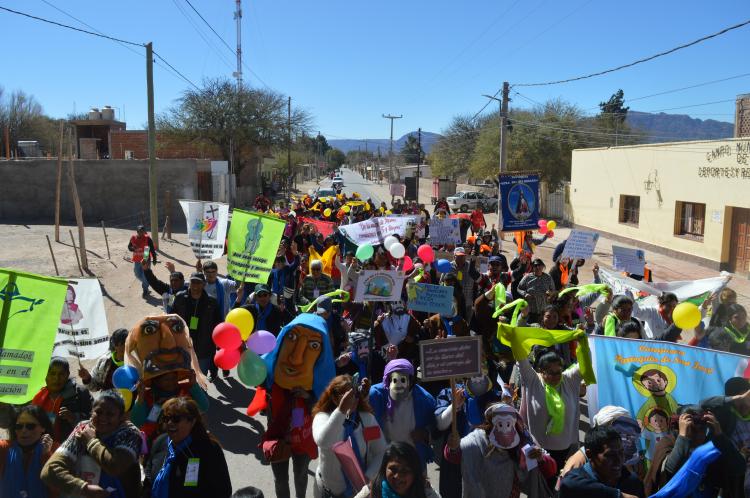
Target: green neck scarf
point(117, 363)
point(739, 336)
point(610, 325)
point(555, 409)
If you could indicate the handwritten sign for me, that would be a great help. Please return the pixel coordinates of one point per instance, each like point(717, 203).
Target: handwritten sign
point(580, 245)
point(628, 260)
point(430, 298)
point(454, 357)
point(375, 230)
point(444, 231)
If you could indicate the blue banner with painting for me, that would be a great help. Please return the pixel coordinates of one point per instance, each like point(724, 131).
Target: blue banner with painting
point(651, 379)
point(520, 201)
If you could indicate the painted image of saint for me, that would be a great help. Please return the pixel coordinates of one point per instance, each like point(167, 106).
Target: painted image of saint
point(71, 312)
point(655, 382)
point(521, 201)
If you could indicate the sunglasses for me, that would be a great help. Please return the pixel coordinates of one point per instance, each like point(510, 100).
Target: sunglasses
point(175, 419)
point(28, 427)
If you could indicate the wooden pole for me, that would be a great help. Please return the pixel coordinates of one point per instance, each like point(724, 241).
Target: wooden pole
point(105, 239)
point(54, 261)
point(77, 204)
point(453, 407)
point(152, 166)
point(164, 230)
point(59, 181)
point(75, 250)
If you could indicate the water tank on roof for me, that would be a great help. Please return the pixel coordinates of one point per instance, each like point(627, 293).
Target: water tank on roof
point(108, 113)
point(94, 114)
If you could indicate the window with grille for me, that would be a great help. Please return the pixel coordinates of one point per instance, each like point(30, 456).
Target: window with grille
point(690, 219)
point(630, 209)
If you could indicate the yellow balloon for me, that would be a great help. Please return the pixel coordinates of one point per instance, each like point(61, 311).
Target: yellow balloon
point(243, 320)
point(686, 315)
point(327, 212)
point(346, 209)
point(127, 395)
point(551, 225)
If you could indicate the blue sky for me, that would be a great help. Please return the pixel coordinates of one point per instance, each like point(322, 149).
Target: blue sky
point(348, 62)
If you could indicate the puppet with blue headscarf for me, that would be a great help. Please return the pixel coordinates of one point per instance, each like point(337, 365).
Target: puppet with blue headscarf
point(299, 369)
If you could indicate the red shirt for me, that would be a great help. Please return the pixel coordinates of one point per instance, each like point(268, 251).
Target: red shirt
point(139, 244)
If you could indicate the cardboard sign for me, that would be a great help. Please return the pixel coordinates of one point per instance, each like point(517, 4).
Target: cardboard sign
point(379, 285)
point(82, 332)
point(484, 264)
point(628, 260)
point(207, 227)
point(454, 357)
point(430, 298)
point(253, 242)
point(444, 231)
point(580, 245)
point(375, 230)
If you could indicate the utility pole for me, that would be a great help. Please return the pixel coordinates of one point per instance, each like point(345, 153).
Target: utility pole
point(152, 145)
point(238, 18)
point(289, 145)
point(419, 160)
point(504, 134)
point(390, 153)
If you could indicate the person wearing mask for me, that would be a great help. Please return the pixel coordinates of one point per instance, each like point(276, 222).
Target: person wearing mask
point(65, 402)
point(400, 476)
point(25, 453)
point(604, 475)
point(142, 248)
point(534, 288)
point(167, 291)
point(267, 315)
point(100, 454)
point(550, 404)
point(100, 378)
point(217, 287)
point(316, 284)
point(186, 461)
point(201, 313)
point(343, 414)
point(396, 328)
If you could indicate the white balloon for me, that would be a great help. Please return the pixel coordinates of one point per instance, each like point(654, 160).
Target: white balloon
point(389, 241)
point(397, 250)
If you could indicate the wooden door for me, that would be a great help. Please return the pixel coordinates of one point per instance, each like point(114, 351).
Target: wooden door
point(739, 257)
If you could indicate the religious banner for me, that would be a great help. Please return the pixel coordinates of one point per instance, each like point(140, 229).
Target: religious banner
point(31, 306)
point(580, 244)
point(82, 332)
point(651, 378)
point(323, 227)
point(444, 231)
point(520, 201)
point(254, 240)
point(379, 285)
point(430, 298)
point(207, 227)
point(375, 230)
point(628, 260)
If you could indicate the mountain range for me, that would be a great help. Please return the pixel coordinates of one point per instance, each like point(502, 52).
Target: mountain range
point(659, 127)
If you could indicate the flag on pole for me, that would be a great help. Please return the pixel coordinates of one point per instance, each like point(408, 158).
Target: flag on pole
point(207, 227)
point(31, 309)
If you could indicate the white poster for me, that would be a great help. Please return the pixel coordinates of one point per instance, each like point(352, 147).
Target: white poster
point(683, 289)
point(379, 285)
point(207, 227)
point(580, 244)
point(375, 230)
point(444, 231)
point(83, 332)
point(628, 260)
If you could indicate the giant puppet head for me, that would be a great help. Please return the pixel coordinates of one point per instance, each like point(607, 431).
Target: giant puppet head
point(398, 378)
point(160, 344)
point(303, 356)
point(505, 425)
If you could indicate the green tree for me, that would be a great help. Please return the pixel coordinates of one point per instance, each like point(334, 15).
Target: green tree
point(335, 158)
point(25, 120)
point(451, 155)
point(610, 124)
point(412, 151)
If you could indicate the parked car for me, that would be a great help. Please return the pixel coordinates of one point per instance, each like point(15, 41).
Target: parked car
point(325, 192)
point(338, 181)
point(468, 200)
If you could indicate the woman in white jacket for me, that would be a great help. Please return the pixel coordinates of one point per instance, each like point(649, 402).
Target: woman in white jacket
point(342, 414)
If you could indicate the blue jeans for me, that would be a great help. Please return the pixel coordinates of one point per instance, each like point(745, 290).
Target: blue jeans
point(138, 271)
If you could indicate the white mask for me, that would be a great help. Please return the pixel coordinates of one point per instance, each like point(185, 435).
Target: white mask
point(398, 385)
point(504, 434)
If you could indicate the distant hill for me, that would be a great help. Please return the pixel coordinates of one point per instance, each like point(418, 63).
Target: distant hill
point(676, 127)
point(346, 144)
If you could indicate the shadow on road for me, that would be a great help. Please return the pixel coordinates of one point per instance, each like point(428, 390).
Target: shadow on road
point(182, 262)
point(108, 295)
point(227, 420)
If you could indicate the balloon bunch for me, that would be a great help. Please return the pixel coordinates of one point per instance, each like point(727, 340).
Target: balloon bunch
point(125, 379)
point(547, 227)
point(229, 337)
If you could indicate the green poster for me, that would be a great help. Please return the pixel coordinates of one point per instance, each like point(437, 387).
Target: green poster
point(254, 240)
point(31, 308)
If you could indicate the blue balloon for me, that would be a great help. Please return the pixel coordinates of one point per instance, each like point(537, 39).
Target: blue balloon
point(125, 377)
point(444, 266)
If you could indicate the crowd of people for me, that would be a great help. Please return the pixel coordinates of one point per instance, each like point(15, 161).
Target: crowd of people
point(344, 389)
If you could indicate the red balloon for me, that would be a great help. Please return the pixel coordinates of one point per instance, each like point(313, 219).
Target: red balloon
point(408, 264)
point(550, 234)
point(227, 336)
point(227, 359)
point(426, 254)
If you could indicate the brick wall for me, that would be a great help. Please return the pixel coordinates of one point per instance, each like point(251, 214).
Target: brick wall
point(166, 148)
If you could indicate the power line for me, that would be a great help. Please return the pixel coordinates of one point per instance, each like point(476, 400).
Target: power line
point(640, 61)
point(200, 33)
point(176, 71)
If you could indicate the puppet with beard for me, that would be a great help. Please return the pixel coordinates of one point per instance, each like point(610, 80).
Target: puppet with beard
point(404, 410)
point(493, 459)
point(357, 359)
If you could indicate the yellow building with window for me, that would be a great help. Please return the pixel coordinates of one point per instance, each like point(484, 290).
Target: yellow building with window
point(687, 199)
